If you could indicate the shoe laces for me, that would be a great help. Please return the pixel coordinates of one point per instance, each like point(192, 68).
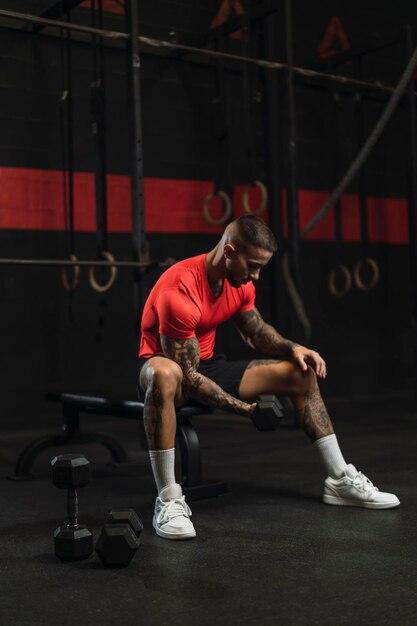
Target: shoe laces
point(177, 507)
point(363, 484)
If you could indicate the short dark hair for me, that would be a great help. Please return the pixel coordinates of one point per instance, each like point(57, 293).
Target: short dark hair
point(252, 231)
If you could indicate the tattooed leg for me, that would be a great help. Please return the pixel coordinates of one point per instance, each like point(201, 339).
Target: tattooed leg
point(313, 416)
point(284, 378)
point(159, 419)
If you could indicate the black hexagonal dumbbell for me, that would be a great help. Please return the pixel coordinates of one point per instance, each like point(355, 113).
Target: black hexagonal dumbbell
point(73, 541)
point(268, 413)
point(119, 538)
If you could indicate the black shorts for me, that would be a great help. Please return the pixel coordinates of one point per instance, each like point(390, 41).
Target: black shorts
point(227, 374)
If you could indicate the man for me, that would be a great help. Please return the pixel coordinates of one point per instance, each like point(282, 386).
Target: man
point(176, 364)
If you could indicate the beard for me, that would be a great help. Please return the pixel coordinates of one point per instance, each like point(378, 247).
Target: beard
point(235, 282)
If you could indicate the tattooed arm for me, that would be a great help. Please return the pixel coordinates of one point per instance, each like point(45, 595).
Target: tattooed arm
point(264, 338)
point(186, 352)
point(261, 336)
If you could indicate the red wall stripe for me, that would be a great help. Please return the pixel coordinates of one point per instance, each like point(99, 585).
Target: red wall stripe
point(33, 200)
point(309, 203)
point(387, 219)
point(394, 225)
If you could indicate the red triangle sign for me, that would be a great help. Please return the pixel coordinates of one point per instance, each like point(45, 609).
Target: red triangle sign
point(223, 14)
point(112, 6)
point(335, 39)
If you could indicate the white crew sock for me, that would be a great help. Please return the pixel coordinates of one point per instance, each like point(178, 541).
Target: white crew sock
point(331, 456)
point(163, 467)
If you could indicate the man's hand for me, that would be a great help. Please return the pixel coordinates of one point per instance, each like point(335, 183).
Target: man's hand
point(265, 338)
point(303, 356)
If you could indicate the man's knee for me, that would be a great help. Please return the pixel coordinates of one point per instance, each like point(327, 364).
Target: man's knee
point(164, 378)
point(300, 381)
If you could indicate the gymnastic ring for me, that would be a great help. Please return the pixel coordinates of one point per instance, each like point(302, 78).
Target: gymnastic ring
point(264, 198)
point(335, 291)
point(113, 274)
point(71, 286)
point(227, 205)
point(357, 274)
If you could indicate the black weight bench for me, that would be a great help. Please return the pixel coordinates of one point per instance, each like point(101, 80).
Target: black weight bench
point(73, 404)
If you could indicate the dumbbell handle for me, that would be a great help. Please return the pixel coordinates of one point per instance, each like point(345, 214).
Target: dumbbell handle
point(72, 508)
point(267, 413)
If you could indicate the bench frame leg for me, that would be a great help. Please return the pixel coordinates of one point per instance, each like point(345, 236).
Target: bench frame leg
point(191, 469)
point(71, 435)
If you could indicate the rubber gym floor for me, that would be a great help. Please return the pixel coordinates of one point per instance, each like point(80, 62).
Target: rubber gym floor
point(269, 552)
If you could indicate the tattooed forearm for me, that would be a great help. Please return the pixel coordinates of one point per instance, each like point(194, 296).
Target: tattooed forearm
point(313, 417)
point(186, 352)
point(206, 391)
point(270, 341)
point(262, 336)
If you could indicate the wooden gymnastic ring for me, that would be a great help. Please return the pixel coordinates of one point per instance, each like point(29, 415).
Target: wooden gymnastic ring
point(357, 274)
point(227, 203)
point(71, 286)
point(264, 198)
point(113, 274)
point(339, 293)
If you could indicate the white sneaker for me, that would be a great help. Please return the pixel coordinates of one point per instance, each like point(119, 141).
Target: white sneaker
point(172, 514)
point(355, 489)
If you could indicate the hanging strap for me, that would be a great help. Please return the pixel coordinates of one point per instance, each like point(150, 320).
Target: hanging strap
point(98, 128)
point(340, 277)
point(249, 95)
point(366, 272)
point(70, 277)
point(222, 170)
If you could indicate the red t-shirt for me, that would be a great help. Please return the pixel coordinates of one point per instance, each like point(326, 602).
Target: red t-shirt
point(181, 305)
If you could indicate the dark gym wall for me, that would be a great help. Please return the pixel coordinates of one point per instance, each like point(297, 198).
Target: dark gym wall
point(84, 341)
